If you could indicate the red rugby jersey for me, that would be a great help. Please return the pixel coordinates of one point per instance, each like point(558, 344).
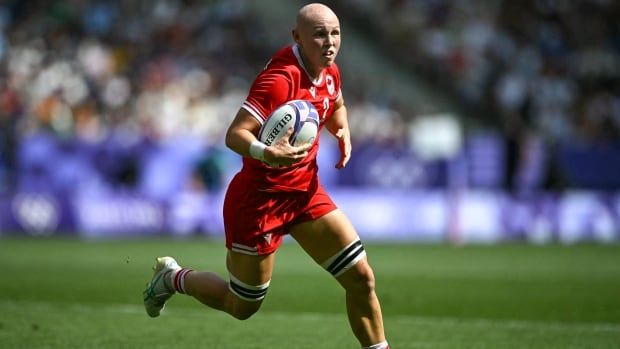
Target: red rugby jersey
point(284, 79)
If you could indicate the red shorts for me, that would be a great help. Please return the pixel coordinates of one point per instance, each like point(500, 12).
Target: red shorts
point(256, 221)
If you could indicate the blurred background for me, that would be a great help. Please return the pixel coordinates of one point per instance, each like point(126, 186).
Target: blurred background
point(472, 121)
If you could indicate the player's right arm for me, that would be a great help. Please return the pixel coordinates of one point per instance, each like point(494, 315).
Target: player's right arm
point(241, 138)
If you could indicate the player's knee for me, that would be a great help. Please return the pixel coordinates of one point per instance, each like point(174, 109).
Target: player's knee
point(245, 312)
point(247, 299)
point(352, 270)
point(361, 279)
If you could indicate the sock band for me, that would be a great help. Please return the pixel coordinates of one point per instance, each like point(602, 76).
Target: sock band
point(345, 259)
point(247, 292)
point(179, 280)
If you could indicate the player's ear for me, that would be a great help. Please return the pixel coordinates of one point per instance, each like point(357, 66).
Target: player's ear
point(295, 34)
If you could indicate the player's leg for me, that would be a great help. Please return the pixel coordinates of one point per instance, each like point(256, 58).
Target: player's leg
point(332, 242)
point(242, 295)
point(249, 260)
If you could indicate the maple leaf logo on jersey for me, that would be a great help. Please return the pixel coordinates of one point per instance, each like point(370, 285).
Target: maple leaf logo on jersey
point(329, 80)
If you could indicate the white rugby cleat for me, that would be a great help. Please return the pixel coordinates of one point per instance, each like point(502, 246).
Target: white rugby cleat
point(157, 293)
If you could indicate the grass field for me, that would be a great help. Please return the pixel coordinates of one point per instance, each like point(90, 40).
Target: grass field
point(65, 293)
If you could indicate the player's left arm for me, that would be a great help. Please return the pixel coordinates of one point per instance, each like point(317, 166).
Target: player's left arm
point(338, 125)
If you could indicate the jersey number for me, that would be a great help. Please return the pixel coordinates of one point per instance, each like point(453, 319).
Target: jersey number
point(325, 107)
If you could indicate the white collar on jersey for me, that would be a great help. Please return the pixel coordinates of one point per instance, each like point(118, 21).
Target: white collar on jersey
point(297, 54)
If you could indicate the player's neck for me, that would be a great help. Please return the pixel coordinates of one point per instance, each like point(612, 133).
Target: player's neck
point(313, 72)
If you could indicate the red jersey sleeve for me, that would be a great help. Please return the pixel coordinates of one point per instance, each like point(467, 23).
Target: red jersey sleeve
point(272, 88)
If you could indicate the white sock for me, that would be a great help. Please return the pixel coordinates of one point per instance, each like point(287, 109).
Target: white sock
point(382, 345)
point(178, 279)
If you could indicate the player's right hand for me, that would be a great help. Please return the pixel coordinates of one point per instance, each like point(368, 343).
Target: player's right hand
point(282, 154)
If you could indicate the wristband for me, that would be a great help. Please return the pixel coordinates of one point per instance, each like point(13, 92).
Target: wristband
point(257, 150)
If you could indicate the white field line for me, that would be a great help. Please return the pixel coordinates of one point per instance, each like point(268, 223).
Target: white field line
point(507, 324)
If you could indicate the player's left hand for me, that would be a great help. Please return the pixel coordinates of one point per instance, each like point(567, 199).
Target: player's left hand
point(344, 144)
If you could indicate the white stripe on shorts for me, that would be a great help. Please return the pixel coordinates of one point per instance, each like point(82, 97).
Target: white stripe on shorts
point(252, 251)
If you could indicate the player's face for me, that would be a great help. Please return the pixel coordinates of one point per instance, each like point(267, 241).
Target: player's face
point(319, 40)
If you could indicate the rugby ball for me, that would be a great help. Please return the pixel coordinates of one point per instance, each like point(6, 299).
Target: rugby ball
point(301, 115)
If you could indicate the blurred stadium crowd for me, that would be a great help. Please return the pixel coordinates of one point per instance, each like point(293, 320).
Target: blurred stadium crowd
point(90, 88)
point(123, 95)
point(539, 70)
point(549, 66)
